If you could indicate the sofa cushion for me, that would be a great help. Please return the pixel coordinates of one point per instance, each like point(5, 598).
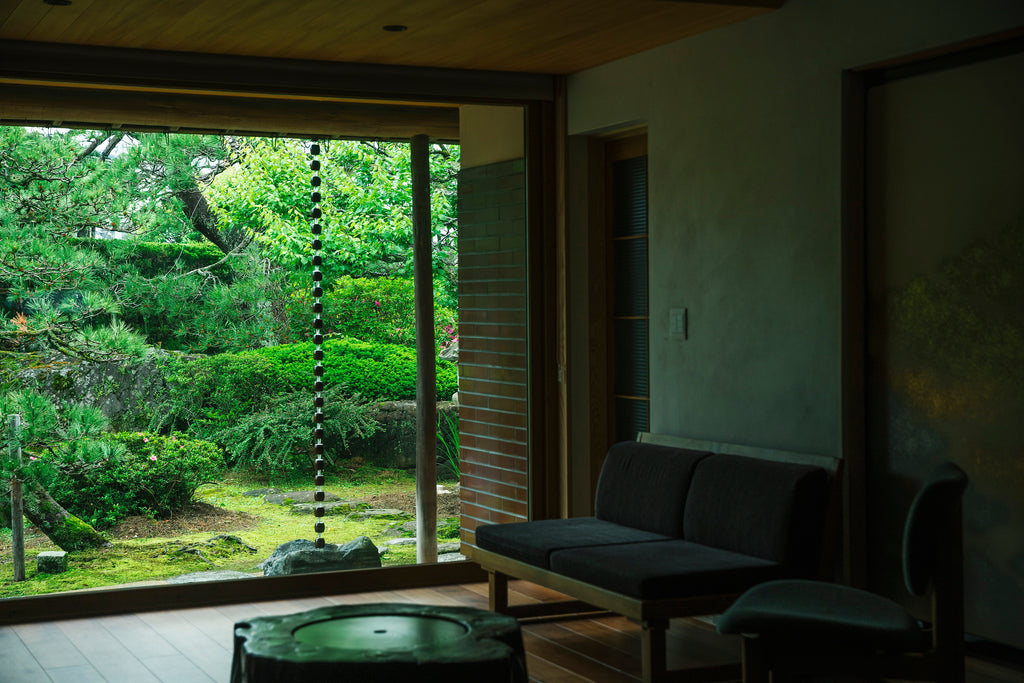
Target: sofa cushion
point(644, 486)
point(763, 508)
point(666, 569)
point(533, 542)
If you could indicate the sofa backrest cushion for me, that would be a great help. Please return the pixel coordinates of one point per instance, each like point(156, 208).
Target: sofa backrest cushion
point(644, 486)
point(768, 509)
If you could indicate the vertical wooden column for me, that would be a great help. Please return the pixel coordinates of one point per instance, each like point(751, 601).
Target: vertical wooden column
point(426, 364)
point(17, 520)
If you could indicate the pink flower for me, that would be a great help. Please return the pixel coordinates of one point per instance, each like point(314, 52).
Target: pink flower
point(32, 457)
point(145, 439)
point(377, 304)
point(153, 458)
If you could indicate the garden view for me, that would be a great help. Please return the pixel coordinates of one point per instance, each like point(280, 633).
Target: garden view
point(155, 342)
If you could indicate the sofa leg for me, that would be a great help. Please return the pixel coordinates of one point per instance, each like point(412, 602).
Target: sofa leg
point(497, 585)
point(652, 654)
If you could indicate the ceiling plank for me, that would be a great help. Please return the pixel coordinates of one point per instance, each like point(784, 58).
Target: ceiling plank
point(554, 37)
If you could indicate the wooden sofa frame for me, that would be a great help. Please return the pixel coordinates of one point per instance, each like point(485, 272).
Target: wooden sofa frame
point(652, 615)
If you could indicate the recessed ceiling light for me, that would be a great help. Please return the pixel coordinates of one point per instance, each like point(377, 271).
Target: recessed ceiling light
point(395, 28)
point(57, 3)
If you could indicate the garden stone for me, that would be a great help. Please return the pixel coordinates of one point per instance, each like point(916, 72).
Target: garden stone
point(451, 557)
point(382, 513)
point(51, 562)
point(444, 548)
point(292, 497)
point(302, 557)
point(400, 541)
point(214, 575)
point(338, 507)
point(256, 493)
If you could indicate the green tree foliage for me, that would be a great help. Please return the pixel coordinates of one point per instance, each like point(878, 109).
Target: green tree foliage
point(62, 289)
point(367, 207)
point(370, 309)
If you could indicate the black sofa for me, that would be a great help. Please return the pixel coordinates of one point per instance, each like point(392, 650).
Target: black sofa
point(675, 532)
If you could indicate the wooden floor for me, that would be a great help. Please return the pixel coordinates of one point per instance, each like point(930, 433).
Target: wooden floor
point(194, 645)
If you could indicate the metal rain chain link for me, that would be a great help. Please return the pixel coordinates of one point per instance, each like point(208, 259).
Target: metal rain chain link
point(318, 340)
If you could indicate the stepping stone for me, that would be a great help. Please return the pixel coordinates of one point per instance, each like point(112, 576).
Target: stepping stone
point(204, 577)
point(338, 507)
point(382, 513)
point(256, 493)
point(292, 497)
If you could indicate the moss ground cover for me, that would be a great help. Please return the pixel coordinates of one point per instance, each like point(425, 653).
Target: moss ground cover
point(154, 550)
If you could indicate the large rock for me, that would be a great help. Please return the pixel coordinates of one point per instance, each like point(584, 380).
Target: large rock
point(301, 557)
point(120, 389)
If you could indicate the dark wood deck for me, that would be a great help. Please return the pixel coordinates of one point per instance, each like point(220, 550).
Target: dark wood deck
point(194, 645)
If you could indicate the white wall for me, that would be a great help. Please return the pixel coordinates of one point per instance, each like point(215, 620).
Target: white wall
point(744, 135)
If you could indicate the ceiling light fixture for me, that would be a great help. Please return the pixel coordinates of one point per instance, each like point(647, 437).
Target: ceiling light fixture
point(395, 28)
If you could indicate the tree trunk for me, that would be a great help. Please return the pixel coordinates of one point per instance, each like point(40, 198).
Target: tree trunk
point(60, 526)
point(205, 223)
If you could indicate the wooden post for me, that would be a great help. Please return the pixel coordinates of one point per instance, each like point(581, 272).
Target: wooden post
point(17, 518)
point(426, 364)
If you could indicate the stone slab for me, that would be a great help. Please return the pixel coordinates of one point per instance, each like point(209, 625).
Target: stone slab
point(214, 575)
point(52, 562)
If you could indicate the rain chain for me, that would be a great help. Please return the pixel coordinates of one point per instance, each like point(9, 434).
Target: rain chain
point(318, 352)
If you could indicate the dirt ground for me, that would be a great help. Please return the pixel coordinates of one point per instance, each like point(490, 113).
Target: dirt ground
point(197, 517)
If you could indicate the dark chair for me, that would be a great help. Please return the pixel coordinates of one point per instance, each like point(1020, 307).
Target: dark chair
point(794, 628)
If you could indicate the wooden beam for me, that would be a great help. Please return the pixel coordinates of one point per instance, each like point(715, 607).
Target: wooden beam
point(182, 596)
point(426, 363)
point(76, 107)
point(122, 67)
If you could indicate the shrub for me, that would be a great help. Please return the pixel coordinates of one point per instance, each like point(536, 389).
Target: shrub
point(207, 393)
point(277, 440)
point(129, 473)
point(377, 372)
point(369, 309)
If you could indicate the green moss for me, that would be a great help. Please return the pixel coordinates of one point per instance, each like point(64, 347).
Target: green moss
point(62, 383)
point(149, 559)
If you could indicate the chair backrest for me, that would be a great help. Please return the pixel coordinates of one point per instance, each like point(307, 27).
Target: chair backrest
point(933, 529)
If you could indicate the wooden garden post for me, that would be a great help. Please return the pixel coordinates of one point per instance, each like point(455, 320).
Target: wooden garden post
point(17, 519)
point(426, 364)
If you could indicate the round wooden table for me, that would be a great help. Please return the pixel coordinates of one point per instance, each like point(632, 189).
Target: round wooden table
point(383, 642)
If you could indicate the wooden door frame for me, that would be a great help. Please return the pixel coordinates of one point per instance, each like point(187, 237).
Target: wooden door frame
point(855, 85)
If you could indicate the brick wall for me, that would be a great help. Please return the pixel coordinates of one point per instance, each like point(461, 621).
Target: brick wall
point(492, 344)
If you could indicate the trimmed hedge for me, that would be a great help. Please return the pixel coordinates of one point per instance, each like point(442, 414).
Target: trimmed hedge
point(377, 372)
point(158, 258)
point(211, 393)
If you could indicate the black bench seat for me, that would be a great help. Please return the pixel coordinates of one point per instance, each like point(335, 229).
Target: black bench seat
point(676, 532)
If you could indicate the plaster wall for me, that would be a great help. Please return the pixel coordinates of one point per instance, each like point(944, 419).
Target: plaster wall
point(744, 130)
point(490, 134)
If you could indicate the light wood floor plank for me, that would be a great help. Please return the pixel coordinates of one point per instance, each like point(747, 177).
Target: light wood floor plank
point(17, 661)
point(80, 673)
point(179, 669)
point(194, 645)
point(49, 646)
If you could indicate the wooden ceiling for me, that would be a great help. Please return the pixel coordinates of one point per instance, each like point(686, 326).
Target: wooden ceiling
point(538, 36)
